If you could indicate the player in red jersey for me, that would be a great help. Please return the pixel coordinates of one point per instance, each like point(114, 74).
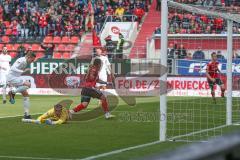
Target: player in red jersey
point(213, 76)
point(89, 91)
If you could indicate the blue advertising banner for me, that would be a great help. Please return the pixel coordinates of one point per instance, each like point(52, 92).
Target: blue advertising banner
point(198, 68)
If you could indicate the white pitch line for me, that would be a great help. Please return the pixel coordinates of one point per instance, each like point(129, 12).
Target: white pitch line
point(121, 150)
point(33, 158)
point(198, 132)
point(2, 117)
point(149, 144)
point(10, 116)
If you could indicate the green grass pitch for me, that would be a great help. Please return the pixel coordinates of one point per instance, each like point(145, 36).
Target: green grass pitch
point(132, 126)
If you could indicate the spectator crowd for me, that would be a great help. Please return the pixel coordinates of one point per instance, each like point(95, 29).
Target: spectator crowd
point(229, 4)
point(181, 22)
point(178, 51)
point(39, 18)
point(186, 23)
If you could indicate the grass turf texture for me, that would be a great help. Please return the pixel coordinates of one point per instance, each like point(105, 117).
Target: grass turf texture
point(133, 126)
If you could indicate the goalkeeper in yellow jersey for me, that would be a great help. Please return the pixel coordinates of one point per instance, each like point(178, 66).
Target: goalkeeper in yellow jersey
point(57, 115)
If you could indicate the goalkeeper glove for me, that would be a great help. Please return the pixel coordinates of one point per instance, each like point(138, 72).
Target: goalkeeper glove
point(49, 122)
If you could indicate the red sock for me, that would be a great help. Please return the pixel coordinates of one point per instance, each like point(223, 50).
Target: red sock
point(222, 94)
point(79, 108)
point(105, 105)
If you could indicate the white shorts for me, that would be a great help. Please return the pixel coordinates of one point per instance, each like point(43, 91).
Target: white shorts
point(100, 85)
point(16, 82)
point(3, 78)
point(102, 78)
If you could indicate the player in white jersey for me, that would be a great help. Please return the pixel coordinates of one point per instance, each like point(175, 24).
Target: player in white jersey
point(5, 61)
point(15, 79)
point(105, 69)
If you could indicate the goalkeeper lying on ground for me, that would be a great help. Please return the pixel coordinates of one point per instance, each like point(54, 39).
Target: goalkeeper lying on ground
point(57, 115)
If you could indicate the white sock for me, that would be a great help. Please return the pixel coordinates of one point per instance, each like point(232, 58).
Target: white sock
point(107, 114)
point(71, 111)
point(4, 92)
point(26, 105)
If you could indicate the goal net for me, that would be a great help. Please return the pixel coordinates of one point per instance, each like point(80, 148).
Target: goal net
point(194, 33)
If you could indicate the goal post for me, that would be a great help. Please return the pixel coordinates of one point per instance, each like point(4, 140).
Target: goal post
point(163, 78)
point(230, 18)
point(229, 72)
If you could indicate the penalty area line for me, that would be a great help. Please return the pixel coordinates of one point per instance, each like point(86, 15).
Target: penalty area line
point(121, 150)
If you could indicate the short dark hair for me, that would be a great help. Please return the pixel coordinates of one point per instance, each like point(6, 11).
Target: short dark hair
point(31, 54)
point(97, 61)
point(213, 53)
point(58, 106)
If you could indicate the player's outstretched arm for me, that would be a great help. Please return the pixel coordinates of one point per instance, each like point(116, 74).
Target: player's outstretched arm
point(60, 121)
point(46, 115)
point(16, 67)
point(51, 122)
point(31, 121)
point(63, 118)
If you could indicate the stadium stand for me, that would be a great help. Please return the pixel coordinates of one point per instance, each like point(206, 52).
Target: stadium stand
point(48, 39)
point(66, 55)
point(39, 55)
point(152, 20)
point(1, 46)
point(57, 55)
point(13, 54)
point(186, 23)
point(56, 40)
point(59, 22)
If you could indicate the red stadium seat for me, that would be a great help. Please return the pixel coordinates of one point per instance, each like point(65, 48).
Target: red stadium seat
point(15, 46)
point(57, 55)
point(5, 39)
point(35, 47)
point(7, 24)
point(9, 47)
point(61, 48)
point(8, 32)
point(66, 55)
point(41, 49)
point(57, 39)
point(66, 39)
point(70, 47)
point(27, 46)
point(48, 39)
point(74, 39)
point(13, 54)
point(1, 46)
point(39, 55)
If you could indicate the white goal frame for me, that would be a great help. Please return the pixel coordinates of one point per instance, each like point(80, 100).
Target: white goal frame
point(164, 45)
